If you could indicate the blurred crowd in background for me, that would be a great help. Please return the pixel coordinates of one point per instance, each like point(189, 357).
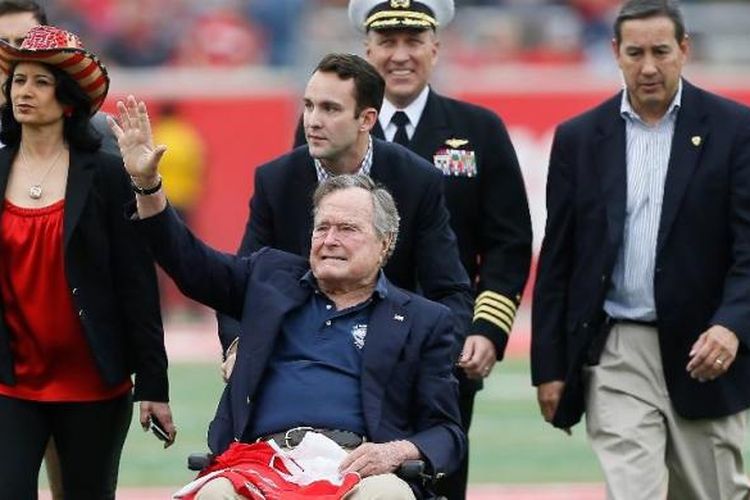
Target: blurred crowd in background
point(287, 33)
point(154, 46)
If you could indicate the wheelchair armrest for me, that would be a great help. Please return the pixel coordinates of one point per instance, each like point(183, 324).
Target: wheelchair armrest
point(199, 461)
point(411, 469)
point(414, 470)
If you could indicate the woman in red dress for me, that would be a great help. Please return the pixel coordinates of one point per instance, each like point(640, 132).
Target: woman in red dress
point(79, 307)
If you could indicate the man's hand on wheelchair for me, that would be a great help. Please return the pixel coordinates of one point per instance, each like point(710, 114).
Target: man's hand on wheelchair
point(371, 459)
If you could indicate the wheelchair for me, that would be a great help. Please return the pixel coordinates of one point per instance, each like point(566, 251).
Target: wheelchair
point(408, 471)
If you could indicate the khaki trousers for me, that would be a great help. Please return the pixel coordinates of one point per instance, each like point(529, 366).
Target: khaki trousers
point(381, 487)
point(646, 450)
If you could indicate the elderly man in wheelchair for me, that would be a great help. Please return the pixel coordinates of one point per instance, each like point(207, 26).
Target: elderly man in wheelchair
point(327, 344)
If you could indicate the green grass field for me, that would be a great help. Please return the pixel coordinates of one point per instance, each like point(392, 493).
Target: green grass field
point(510, 443)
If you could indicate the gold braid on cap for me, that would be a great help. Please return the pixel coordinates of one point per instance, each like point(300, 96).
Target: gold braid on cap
point(402, 17)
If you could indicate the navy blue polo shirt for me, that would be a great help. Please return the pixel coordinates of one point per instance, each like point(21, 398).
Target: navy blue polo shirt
point(313, 376)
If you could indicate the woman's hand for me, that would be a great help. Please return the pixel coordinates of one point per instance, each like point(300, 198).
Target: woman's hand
point(133, 133)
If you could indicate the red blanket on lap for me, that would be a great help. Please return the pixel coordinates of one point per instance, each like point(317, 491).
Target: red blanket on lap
point(258, 472)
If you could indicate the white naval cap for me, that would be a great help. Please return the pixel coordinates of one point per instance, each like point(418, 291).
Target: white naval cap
point(400, 14)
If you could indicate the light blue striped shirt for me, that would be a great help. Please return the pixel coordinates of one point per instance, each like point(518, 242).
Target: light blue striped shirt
point(647, 158)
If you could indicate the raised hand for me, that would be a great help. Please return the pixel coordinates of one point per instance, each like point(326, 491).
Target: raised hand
point(133, 133)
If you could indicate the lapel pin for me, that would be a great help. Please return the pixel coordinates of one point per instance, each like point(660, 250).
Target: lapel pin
point(696, 140)
point(398, 317)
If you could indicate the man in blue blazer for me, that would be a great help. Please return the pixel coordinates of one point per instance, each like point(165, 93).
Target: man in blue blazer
point(341, 104)
point(326, 343)
point(641, 312)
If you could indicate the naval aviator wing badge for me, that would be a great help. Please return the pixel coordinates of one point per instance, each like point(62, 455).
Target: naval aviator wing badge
point(454, 161)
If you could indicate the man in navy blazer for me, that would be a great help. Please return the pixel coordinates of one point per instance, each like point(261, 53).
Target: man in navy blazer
point(327, 343)
point(641, 315)
point(341, 106)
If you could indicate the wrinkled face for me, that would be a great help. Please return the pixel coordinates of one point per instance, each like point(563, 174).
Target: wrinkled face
point(331, 127)
point(32, 94)
point(13, 27)
point(651, 61)
point(405, 59)
point(345, 250)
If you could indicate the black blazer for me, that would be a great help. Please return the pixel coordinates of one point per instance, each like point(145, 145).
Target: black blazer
point(111, 276)
point(702, 258)
point(489, 211)
point(426, 255)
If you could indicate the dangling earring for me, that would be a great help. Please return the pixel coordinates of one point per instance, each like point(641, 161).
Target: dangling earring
point(68, 111)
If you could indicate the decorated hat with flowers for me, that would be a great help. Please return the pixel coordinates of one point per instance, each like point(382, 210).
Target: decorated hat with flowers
point(62, 49)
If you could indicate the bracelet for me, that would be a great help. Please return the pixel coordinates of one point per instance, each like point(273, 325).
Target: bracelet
point(147, 190)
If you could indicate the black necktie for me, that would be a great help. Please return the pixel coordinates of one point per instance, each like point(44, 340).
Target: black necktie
point(400, 120)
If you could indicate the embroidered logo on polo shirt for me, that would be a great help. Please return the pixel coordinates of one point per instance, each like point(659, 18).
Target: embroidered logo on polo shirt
point(359, 332)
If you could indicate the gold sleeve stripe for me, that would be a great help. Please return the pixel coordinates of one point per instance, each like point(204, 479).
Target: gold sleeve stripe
point(487, 294)
point(499, 316)
point(497, 306)
point(498, 313)
point(494, 321)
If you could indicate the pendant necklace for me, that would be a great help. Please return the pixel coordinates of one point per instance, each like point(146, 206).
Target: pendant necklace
point(35, 190)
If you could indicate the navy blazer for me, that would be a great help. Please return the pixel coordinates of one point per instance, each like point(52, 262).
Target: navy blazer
point(426, 256)
point(111, 275)
point(702, 269)
point(408, 391)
